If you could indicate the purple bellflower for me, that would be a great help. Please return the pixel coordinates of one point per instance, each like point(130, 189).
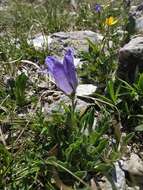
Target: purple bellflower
point(63, 73)
point(97, 8)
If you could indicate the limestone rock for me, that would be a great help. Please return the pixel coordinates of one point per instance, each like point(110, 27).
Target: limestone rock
point(137, 14)
point(75, 39)
point(59, 41)
point(117, 182)
point(131, 58)
point(85, 89)
point(53, 103)
point(77, 62)
point(139, 25)
point(134, 47)
point(132, 188)
point(134, 165)
point(3, 2)
point(53, 100)
point(133, 168)
point(40, 41)
point(3, 5)
point(120, 180)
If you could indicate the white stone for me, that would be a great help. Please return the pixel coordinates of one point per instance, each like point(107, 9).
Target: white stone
point(139, 25)
point(134, 165)
point(85, 89)
point(60, 41)
point(120, 175)
point(134, 48)
point(74, 39)
point(40, 41)
point(118, 179)
point(77, 62)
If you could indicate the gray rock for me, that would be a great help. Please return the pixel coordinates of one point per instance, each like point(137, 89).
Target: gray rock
point(105, 184)
point(54, 103)
point(57, 42)
point(131, 58)
point(120, 181)
point(139, 25)
point(133, 188)
point(76, 40)
point(135, 47)
point(137, 14)
point(3, 2)
point(3, 5)
point(60, 41)
point(130, 170)
point(40, 41)
point(134, 165)
point(117, 181)
point(133, 168)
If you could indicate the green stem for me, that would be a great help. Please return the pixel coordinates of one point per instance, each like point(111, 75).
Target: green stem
point(73, 103)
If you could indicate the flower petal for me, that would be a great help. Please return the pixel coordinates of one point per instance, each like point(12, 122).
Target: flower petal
point(98, 7)
point(111, 21)
point(51, 61)
point(57, 70)
point(70, 68)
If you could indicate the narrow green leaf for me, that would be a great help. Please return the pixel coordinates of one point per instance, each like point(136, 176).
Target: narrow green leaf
point(139, 128)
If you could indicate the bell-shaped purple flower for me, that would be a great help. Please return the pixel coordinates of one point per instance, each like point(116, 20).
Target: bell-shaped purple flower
point(63, 73)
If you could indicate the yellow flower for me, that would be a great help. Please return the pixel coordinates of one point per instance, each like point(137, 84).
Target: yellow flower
point(111, 21)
